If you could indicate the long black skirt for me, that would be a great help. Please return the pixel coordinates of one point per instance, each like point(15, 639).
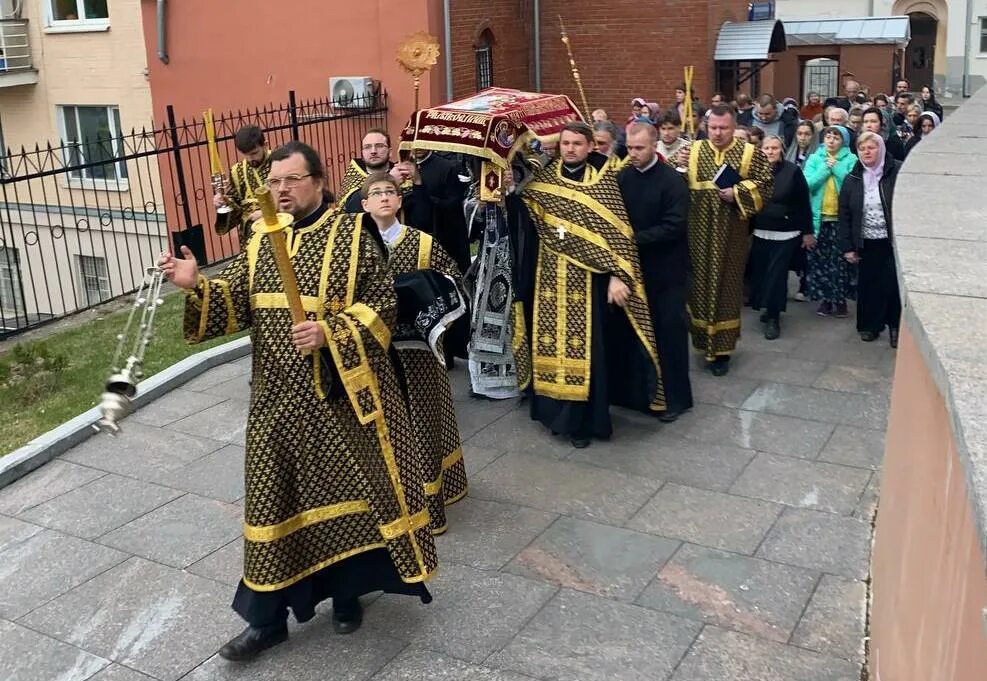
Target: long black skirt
point(878, 299)
point(769, 264)
point(343, 581)
point(589, 419)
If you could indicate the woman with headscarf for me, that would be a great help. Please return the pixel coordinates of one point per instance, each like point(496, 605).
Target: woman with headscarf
point(829, 273)
point(805, 143)
point(929, 102)
point(780, 229)
point(636, 105)
point(866, 237)
point(927, 122)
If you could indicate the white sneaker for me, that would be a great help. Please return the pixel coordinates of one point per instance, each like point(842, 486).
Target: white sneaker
point(799, 296)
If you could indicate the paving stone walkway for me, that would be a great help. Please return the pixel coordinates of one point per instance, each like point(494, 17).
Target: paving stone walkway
point(728, 546)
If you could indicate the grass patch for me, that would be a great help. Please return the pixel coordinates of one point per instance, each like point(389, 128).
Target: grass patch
point(46, 382)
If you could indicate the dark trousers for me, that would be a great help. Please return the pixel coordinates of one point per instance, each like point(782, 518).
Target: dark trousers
point(671, 322)
point(769, 274)
point(878, 300)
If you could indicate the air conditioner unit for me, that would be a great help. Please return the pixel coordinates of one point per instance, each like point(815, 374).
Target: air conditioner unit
point(352, 92)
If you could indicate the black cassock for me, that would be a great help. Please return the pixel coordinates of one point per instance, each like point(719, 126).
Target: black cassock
point(576, 420)
point(657, 202)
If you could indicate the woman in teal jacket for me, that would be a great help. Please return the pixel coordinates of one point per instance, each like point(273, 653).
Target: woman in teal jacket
point(829, 272)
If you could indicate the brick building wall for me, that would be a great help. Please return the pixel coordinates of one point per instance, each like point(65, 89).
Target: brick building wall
point(623, 48)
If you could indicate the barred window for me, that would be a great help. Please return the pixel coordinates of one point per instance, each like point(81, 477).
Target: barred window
point(94, 279)
point(93, 141)
point(11, 301)
point(484, 60)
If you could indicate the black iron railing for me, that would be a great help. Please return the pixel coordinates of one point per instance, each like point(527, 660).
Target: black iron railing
point(81, 220)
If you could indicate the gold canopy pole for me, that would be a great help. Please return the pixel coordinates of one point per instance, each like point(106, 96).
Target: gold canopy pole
point(575, 69)
point(272, 224)
point(689, 124)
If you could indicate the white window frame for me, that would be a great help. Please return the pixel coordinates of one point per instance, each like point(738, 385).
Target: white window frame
point(102, 278)
point(121, 182)
point(10, 283)
point(981, 34)
point(83, 24)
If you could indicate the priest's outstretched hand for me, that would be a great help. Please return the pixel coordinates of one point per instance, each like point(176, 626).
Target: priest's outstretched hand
point(617, 292)
point(183, 272)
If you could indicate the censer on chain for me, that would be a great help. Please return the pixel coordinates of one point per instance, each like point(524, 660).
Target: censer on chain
point(121, 387)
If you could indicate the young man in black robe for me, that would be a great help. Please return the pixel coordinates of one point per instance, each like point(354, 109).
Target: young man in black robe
point(585, 261)
point(657, 201)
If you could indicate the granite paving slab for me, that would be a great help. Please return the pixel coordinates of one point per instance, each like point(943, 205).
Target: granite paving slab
point(712, 519)
point(30, 656)
point(313, 652)
point(661, 456)
point(515, 432)
point(708, 389)
point(217, 375)
point(853, 380)
point(175, 406)
point(477, 458)
point(851, 446)
point(45, 565)
point(488, 534)
point(223, 565)
point(869, 411)
point(473, 614)
point(563, 487)
point(237, 388)
point(757, 430)
point(819, 541)
point(219, 475)
point(102, 505)
point(586, 637)
point(13, 531)
point(225, 422)
point(141, 451)
point(805, 484)
point(180, 532)
point(834, 621)
point(54, 478)
point(770, 367)
point(721, 655)
point(737, 592)
point(157, 620)
point(116, 672)
point(416, 664)
point(598, 559)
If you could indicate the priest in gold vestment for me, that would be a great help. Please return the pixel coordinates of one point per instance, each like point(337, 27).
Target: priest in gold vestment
point(719, 235)
point(423, 320)
point(586, 271)
point(335, 503)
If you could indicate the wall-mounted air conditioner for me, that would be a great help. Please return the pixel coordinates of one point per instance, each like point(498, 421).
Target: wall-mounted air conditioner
point(352, 92)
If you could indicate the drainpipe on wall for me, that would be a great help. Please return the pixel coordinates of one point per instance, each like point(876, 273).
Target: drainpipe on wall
point(965, 90)
point(447, 36)
point(162, 32)
point(536, 37)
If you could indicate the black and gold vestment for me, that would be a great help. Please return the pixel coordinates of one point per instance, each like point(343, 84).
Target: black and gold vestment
point(430, 403)
point(583, 237)
point(245, 179)
point(719, 241)
point(333, 476)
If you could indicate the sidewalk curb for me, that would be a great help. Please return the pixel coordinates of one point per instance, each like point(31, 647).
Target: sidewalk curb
point(47, 446)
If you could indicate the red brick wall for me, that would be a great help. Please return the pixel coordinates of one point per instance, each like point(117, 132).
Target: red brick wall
point(510, 23)
point(870, 64)
point(623, 48)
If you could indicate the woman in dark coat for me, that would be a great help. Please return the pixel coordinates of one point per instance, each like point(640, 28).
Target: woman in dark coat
point(929, 102)
point(866, 237)
point(927, 122)
point(780, 229)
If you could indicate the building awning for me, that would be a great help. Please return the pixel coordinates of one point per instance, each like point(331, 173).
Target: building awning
point(848, 31)
point(749, 40)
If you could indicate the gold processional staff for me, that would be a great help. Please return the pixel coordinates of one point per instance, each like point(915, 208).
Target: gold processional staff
point(575, 69)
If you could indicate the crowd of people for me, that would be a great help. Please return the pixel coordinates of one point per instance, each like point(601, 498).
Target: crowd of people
point(602, 252)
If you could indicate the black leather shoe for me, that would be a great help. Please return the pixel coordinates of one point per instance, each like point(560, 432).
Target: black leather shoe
point(580, 442)
point(720, 367)
point(772, 329)
point(252, 641)
point(670, 415)
point(868, 336)
point(763, 317)
point(347, 616)
point(893, 337)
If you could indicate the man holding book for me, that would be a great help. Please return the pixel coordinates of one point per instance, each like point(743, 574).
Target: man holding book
point(729, 182)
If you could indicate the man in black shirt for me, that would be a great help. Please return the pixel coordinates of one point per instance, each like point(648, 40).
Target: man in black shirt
point(657, 201)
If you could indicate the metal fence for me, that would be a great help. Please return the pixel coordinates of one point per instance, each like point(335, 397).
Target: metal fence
point(81, 220)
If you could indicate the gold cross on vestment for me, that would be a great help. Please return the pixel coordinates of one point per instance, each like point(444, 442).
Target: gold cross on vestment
point(560, 230)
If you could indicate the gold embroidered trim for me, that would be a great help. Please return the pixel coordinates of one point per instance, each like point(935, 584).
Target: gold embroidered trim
point(204, 312)
point(424, 251)
point(745, 161)
point(324, 564)
point(586, 200)
point(262, 534)
point(370, 319)
point(452, 459)
point(405, 525)
point(224, 286)
point(280, 301)
point(354, 260)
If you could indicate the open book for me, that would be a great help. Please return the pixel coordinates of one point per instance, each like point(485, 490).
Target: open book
point(726, 177)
